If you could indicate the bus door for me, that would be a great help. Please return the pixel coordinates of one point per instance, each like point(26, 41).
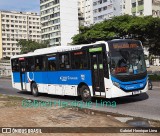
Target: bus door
point(22, 73)
point(97, 73)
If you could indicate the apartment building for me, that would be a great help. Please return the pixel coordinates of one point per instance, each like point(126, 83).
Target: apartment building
point(85, 12)
point(59, 19)
point(106, 9)
point(15, 26)
point(145, 8)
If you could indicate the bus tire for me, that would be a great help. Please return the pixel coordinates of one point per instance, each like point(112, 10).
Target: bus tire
point(34, 89)
point(85, 93)
point(150, 86)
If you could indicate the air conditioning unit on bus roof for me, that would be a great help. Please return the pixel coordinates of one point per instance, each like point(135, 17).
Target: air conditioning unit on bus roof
point(100, 42)
point(29, 52)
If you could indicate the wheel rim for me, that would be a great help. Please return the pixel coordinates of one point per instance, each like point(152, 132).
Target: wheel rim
point(86, 93)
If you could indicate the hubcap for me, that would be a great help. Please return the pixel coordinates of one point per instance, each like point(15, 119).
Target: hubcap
point(34, 89)
point(86, 93)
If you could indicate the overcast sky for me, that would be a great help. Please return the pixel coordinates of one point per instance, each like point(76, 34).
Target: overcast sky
point(20, 5)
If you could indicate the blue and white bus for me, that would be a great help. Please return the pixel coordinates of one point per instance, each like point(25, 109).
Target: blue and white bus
point(107, 69)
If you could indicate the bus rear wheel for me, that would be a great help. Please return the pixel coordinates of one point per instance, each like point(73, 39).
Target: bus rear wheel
point(34, 89)
point(85, 93)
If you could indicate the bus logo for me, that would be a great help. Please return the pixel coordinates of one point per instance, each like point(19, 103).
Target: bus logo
point(30, 76)
point(63, 78)
point(83, 77)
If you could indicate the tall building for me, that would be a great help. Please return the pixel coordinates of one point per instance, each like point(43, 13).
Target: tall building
point(145, 7)
point(85, 12)
point(59, 19)
point(106, 9)
point(15, 26)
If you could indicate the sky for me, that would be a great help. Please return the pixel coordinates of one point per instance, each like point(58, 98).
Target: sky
point(20, 5)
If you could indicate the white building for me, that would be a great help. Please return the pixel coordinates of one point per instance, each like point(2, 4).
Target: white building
point(59, 19)
point(86, 12)
point(15, 26)
point(145, 8)
point(106, 9)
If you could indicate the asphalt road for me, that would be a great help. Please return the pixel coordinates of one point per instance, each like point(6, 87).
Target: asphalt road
point(145, 105)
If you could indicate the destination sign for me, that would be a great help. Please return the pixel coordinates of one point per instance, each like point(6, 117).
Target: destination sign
point(124, 45)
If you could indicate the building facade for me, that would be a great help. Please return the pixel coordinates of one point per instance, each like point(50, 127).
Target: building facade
point(15, 26)
point(59, 19)
point(85, 10)
point(145, 8)
point(106, 9)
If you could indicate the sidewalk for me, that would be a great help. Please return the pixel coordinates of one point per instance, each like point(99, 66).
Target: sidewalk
point(157, 84)
point(5, 77)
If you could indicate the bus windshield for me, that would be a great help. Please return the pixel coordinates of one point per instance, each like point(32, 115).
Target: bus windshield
point(127, 62)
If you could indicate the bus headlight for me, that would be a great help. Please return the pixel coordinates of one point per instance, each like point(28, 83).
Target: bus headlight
point(116, 84)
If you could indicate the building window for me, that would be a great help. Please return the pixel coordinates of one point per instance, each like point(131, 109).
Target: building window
point(140, 3)
point(133, 4)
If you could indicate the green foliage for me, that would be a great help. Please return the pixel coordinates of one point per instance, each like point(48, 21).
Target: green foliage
point(30, 46)
point(154, 77)
point(145, 29)
point(6, 58)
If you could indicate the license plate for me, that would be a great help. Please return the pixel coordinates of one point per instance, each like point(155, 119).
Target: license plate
point(136, 92)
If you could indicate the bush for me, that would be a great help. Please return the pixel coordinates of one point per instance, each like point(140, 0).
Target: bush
point(154, 77)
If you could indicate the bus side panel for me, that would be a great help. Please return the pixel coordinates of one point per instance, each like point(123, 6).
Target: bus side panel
point(16, 80)
point(40, 78)
point(60, 82)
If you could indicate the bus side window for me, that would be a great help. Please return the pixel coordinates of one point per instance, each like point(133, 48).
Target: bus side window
point(79, 60)
point(30, 64)
point(15, 65)
point(52, 63)
point(39, 63)
point(64, 61)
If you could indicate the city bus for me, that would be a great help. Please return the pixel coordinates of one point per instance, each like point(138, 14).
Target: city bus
point(106, 69)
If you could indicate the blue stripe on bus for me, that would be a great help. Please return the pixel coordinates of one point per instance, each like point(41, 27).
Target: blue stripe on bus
point(58, 77)
point(131, 85)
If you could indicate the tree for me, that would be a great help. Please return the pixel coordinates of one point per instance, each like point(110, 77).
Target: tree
point(5, 58)
point(30, 46)
point(145, 29)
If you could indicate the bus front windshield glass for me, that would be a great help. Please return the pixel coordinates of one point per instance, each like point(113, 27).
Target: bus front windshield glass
point(127, 62)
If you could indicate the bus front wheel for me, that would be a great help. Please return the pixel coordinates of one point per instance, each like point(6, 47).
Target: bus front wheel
point(85, 93)
point(34, 89)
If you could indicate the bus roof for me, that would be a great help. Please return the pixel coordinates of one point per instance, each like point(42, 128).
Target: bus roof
point(55, 50)
point(65, 48)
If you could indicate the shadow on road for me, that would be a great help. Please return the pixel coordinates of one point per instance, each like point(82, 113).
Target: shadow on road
point(122, 100)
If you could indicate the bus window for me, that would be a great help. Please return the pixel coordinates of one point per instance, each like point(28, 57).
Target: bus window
point(39, 63)
point(79, 60)
point(64, 61)
point(15, 65)
point(30, 64)
point(51, 62)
